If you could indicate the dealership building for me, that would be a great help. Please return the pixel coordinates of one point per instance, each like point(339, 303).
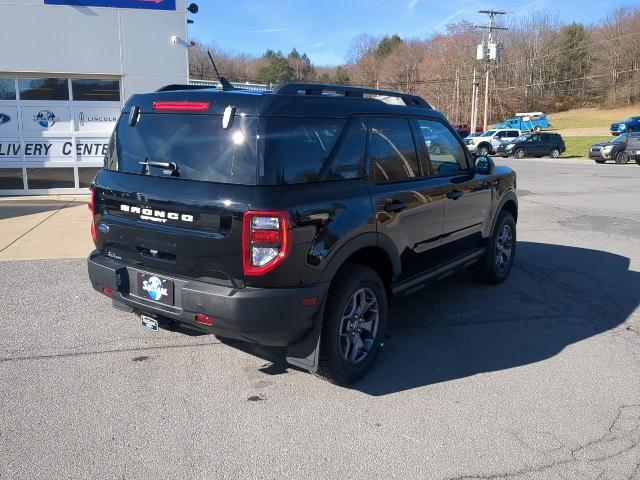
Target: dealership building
point(66, 69)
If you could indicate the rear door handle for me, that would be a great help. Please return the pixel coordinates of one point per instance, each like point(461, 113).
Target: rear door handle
point(454, 194)
point(394, 206)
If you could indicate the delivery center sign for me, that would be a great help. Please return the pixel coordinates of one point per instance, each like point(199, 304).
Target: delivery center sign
point(141, 4)
point(53, 149)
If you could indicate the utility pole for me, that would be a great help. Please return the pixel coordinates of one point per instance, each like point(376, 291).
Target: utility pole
point(456, 97)
point(474, 102)
point(489, 52)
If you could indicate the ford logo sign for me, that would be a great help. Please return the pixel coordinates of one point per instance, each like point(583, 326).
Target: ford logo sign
point(103, 228)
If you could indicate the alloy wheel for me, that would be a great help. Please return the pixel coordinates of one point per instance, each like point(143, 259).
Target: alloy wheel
point(504, 247)
point(359, 325)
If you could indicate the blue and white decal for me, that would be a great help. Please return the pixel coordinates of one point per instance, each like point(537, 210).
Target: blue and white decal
point(142, 4)
point(4, 118)
point(155, 290)
point(45, 118)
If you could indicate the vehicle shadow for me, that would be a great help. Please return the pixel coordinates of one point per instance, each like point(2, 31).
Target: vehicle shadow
point(11, 208)
point(555, 296)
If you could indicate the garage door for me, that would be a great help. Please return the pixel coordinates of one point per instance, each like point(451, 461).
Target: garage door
point(54, 131)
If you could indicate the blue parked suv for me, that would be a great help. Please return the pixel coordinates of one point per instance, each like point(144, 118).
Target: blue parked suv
point(631, 124)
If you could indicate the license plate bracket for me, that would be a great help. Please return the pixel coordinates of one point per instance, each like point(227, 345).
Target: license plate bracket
point(155, 288)
point(149, 323)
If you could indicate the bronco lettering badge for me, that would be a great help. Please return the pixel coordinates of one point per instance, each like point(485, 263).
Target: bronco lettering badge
point(154, 215)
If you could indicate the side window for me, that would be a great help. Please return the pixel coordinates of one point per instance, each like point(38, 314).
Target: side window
point(499, 135)
point(445, 153)
point(391, 150)
point(513, 134)
point(348, 161)
point(299, 147)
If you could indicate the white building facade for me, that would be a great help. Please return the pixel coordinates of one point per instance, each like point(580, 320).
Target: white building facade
point(66, 69)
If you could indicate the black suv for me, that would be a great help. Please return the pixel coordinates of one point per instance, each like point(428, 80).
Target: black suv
point(290, 218)
point(612, 150)
point(632, 151)
point(533, 145)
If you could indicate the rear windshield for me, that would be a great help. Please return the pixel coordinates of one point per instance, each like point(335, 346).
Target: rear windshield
point(186, 146)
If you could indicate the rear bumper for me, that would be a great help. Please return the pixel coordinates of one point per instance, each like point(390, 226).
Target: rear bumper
point(273, 317)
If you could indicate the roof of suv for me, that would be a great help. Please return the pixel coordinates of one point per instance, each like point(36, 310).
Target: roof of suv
point(290, 100)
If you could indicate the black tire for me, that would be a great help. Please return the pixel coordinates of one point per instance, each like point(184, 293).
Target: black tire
point(601, 160)
point(489, 269)
point(622, 158)
point(483, 150)
point(537, 128)
point(554, 153)
point(519, 153)
point(338, 362)
point(637, 160)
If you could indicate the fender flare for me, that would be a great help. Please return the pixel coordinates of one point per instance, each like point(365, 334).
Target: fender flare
point(509, 195)
point(364, 240)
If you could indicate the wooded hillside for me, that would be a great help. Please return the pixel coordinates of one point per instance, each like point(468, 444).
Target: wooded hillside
point(546, 65)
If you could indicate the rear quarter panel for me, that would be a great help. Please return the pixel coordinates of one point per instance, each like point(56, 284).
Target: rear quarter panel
point(325, 216)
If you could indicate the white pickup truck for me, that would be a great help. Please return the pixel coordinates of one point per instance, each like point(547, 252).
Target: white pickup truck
point(488, 142)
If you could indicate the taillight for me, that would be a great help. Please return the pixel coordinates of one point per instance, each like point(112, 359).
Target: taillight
point(92, 209)
point(265, 241)
point(204, 319)
point(180, 106)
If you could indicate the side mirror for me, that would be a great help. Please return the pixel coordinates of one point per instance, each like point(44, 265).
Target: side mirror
point(485, 165)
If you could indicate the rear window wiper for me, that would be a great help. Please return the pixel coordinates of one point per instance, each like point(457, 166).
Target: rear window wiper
point(170, 167)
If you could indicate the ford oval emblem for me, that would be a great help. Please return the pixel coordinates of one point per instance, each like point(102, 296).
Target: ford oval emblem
point(103, 228)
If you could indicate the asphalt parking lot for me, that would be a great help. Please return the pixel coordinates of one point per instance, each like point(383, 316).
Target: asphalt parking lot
point(538, 378)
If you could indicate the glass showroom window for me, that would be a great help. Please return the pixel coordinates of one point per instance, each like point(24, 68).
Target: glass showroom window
point(11, 179)
point(43, 88)
point(94, 90)
point(7, 88)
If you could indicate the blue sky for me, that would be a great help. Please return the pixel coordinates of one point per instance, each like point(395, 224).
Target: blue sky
point(324, 29)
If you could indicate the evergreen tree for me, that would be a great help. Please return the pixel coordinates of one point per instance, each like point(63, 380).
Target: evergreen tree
point(276, 70)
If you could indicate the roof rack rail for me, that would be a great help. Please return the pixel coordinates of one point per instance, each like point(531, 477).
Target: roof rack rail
point(176, 86)
point(349, 91)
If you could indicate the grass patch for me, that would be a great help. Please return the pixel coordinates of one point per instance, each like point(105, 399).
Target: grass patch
point(591, 117)
point(579, 146)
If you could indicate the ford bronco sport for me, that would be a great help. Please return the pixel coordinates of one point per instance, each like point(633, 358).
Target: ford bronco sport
point(290, 218)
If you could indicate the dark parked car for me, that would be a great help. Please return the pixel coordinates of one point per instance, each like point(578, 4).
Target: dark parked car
point(633, 149)
point(533, 145)
point(291, 218)
point(631, 124)
point(614, 149)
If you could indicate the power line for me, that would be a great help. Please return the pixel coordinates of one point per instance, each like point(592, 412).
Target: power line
point(571, 49)
point(588, 77)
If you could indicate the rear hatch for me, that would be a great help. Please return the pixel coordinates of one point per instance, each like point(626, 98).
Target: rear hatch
point(176, 183)
point(633, 145)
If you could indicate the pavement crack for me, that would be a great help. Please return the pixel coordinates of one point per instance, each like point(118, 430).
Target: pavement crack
point(103, 352)
point(622, 436)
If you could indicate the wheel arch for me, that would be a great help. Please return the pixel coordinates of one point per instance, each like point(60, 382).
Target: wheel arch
point(370, 249)
point(508, 203)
